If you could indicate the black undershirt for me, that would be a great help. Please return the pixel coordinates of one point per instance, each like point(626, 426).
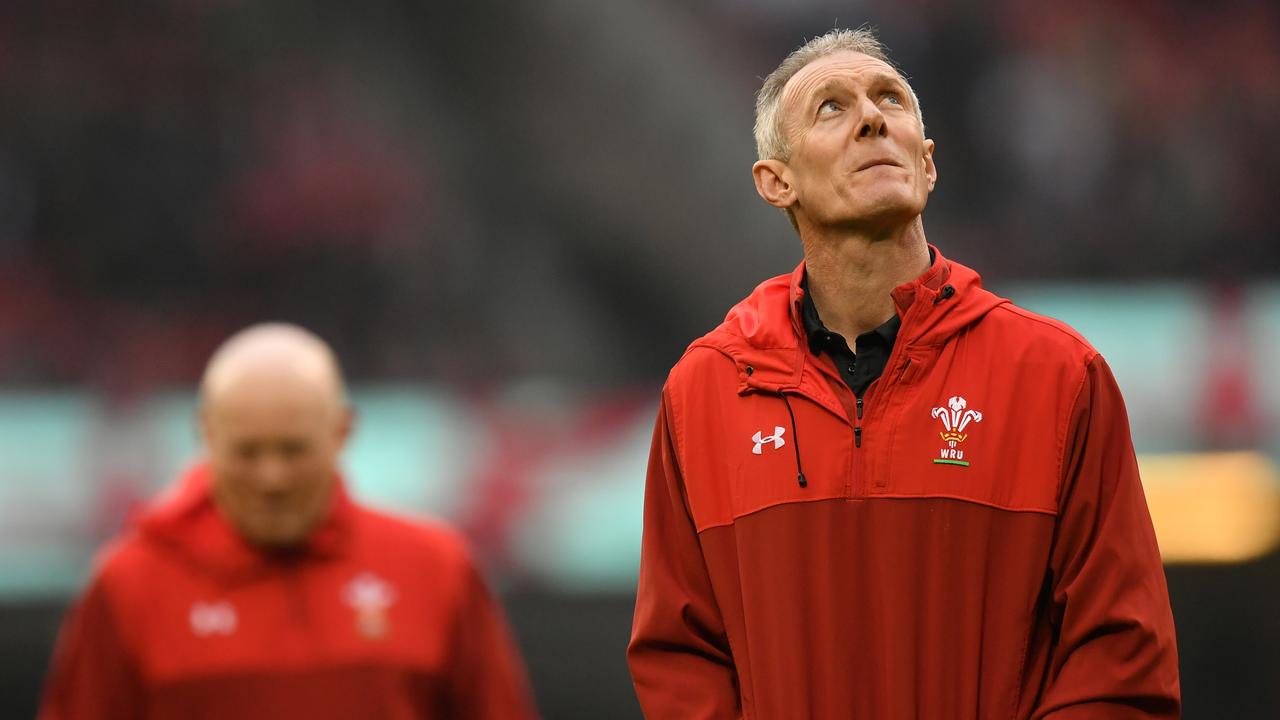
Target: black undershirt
point(874, 346)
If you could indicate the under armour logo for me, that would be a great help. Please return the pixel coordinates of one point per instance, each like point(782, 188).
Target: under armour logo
point(775, 438)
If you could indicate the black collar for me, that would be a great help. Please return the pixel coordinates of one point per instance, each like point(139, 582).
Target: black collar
point(821, 338)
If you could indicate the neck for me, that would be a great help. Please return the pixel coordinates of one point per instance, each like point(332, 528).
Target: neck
point(851, 275)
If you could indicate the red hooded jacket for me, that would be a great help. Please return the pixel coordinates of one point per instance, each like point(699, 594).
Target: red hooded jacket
point(376, 617)
point(969, 541)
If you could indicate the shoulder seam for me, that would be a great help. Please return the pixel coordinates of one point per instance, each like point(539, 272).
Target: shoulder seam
point(1061, 327)
point(682, 361)
point(1066, 427)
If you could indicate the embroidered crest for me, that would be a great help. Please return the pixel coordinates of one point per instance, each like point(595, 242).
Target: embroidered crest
point(955, 417)
point(370, 597)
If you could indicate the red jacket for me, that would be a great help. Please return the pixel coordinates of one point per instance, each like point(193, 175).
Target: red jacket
point(971, 542)
point(377, 617)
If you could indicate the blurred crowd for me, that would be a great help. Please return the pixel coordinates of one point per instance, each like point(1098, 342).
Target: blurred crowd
point(483, 191)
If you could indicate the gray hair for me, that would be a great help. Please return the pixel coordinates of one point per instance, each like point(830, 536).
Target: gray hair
point(771, 141)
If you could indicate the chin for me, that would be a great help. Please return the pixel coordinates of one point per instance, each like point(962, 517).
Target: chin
point(275, 536)
point(885, 217)
point(882, 204)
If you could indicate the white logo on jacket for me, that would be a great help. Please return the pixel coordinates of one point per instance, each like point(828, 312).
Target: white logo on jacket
point(214, 618)
point(370, 596)
point(955, 417)
point(775, 438)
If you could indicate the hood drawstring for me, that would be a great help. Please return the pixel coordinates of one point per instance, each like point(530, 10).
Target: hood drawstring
point(795, 440)
point(946, 294)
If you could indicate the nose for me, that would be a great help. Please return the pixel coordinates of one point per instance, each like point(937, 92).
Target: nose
point(871, 124)
point(271, 474)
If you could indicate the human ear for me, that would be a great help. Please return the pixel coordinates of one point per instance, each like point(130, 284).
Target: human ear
point(346, 423)
point(771, 182)
point(930, 168)
point(204, 425)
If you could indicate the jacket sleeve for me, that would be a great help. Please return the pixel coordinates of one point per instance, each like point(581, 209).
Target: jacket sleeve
point(1115, 654)
point(679, 654)
point(92, 675)
point(486, 673)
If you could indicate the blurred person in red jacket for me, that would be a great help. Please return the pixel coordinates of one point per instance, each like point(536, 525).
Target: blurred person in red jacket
point(941, 519)
point(257, 588)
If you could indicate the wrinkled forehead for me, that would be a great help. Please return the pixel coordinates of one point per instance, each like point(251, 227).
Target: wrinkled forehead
point(844, 66)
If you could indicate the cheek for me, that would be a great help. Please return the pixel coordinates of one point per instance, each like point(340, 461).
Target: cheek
point(312, 471)
point(237, 495)
point(231, 468)
point(320, 455)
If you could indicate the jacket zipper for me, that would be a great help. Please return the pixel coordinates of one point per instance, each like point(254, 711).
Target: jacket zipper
point(857, 428)
point(881, 384)
point(299, 606)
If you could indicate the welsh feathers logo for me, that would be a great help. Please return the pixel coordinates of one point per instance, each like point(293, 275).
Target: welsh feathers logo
point(370, 597)
point(955, 417)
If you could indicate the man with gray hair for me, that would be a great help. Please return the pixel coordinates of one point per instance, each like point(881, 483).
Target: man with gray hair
point(962, 532)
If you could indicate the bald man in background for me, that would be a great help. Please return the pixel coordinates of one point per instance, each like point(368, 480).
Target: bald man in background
point(256, 588)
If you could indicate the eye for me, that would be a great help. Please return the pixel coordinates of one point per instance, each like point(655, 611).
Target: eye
point(292, 449)
point(893, 97)
point(828, 107)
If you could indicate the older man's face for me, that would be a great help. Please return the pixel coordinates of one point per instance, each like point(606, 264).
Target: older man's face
point(273, 445)
point(859, 157)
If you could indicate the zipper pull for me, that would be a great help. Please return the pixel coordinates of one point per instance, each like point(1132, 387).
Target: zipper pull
point(857, 436)
point(859, 408)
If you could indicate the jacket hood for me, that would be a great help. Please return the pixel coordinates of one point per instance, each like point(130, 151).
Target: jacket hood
point(764, 333)
point(184, 520)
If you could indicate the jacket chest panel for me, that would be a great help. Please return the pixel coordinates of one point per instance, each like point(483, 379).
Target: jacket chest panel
point(982, 429)
point(761, 444)
point(322, 616)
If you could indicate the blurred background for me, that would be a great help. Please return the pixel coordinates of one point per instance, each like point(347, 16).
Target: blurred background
point(510, 218)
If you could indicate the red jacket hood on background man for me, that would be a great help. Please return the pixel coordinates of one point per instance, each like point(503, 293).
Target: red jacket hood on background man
point(186, 521)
